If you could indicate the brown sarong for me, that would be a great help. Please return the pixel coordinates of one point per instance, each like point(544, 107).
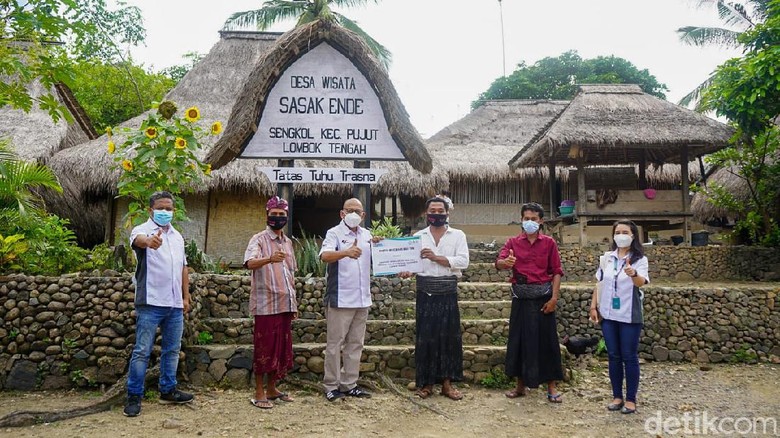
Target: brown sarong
point(273, 353)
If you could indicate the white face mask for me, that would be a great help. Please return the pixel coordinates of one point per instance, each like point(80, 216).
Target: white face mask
point(623, 240)
point(352, 220)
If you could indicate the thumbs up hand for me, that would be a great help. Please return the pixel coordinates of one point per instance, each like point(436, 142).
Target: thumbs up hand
point(630, 271)
point(354, 251)
point(155, 241)
point(510, 260)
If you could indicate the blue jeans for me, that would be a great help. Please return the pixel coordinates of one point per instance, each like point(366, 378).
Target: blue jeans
point(171, 323)
point(622, 341)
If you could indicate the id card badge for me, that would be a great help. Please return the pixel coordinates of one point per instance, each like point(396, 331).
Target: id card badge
point(616, 303)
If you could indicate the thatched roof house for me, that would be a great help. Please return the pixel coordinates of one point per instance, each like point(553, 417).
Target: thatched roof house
point(476, 147)
point(35, 136)
point(228, 85)
point(618, 124)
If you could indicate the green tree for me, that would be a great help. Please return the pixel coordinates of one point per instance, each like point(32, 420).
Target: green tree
point(177, 72)
point(738, 17)
point(747, 91)
point(306, 11)
point(109, 98)
point(18, 181)
point(557, 78)
point(31, 32)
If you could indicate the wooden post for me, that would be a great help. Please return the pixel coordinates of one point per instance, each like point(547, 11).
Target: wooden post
point(582, 200)
point(551, 174)
point(642, 169)
point(363, 193)
point(684, 189)
point(394, 210)
point(285, 190)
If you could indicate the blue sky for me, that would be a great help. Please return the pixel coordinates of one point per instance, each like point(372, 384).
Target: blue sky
point(445, 52)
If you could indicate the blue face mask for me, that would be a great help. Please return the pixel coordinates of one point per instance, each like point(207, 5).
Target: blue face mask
point(530, 227)
point(162, 217)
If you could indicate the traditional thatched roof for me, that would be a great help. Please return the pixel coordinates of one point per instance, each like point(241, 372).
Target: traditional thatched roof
point(223, 84)
point(35, 136)
point(249, 105)
point(478, 146)
point(613, 123)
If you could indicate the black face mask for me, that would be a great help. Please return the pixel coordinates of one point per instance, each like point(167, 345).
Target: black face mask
point(277, 222)
point(437, 220)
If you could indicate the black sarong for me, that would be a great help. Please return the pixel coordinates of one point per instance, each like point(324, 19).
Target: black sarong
point(438, 351)
point(532, 352)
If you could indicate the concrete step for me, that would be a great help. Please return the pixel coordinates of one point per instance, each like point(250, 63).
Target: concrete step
point(468, 309)
point(231, 365)
point(378, 332)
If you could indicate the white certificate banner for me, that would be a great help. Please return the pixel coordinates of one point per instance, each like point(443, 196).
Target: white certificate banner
point(324, 175)
point(391, 256)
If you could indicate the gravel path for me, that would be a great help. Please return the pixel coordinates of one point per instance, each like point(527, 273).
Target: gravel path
point(667, 392)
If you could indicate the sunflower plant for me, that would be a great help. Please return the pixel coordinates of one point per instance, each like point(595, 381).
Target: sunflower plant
point(161, 154)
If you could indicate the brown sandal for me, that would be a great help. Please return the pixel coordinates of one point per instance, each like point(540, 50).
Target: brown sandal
point(423, 393)
point(452, 394)
point(515, 393)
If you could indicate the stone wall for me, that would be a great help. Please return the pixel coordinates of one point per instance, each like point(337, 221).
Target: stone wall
point(680, 263)
point(64, 331)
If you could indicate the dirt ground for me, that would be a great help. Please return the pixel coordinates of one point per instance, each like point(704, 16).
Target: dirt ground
point(666, 391)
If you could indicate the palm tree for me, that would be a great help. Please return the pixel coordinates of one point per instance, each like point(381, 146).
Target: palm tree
point(738, 17)
point(18, 181)
point(307, 11)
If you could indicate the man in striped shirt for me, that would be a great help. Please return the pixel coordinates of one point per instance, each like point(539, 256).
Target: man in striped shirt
point(270, 257)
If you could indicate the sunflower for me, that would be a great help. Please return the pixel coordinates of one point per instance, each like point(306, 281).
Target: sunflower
point(216, 128)
point(207, 170)
point(151, 132)
point(180, 143)
point(111, 147)
point(127, 165)
point(192, 114)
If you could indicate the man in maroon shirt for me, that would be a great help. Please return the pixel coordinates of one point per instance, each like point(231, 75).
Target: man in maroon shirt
point(532, 353)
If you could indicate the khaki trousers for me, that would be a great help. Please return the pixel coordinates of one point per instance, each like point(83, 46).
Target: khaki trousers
point(346, 332)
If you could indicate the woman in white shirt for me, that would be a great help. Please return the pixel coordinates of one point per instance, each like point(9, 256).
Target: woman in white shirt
point(617, 303)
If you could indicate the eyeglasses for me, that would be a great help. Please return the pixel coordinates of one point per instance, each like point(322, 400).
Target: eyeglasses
point(353, 210)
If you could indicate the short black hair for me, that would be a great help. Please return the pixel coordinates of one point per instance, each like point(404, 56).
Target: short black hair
point(437, 199)
point(159, 195)
point(532, 206)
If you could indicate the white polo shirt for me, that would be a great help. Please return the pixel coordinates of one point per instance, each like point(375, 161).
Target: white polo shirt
point(452, 245)
point(348, 281)
point(158, 276)
point(615, 283)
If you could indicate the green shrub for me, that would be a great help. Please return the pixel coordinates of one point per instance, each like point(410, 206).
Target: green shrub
point(204, 338)
point(601, 348)
point(53, 249)
point(200, 261)
point(497, 379)
point(307, 257)
point(11, 248)
point(385, 228)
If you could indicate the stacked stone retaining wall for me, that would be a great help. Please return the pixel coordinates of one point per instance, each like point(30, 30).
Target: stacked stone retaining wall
point(67, 331)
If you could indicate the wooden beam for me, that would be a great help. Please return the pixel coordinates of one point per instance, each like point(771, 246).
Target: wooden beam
point(643, 169)
point(582, 200)
point(684, 189)
point(551, 169)
point(286, 191)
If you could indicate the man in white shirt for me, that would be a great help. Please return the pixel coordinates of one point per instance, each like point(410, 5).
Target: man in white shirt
point(347, 251)
point(438, 354)
point(162, 297)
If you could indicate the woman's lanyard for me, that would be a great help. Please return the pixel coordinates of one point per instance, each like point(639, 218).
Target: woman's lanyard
point(618, 269)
